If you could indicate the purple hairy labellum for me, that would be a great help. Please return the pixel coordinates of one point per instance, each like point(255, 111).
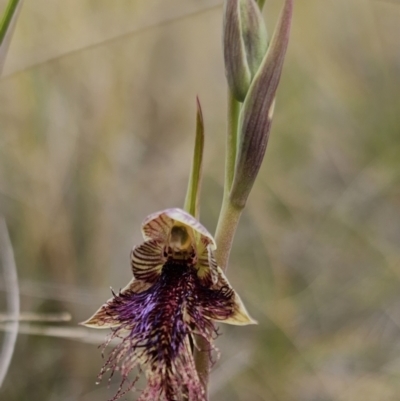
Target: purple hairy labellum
point(177, 292)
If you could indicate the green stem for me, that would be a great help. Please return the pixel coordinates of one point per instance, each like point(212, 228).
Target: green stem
point(226, 228)
point(231, 142)
point(224, 238)
point(229, 215)
point(225, 232)
point(202, 362)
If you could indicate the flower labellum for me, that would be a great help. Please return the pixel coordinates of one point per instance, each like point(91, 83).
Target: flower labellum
point(177, 291)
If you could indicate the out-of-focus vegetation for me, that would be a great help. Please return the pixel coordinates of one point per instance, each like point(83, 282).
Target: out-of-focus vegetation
point(97, 119)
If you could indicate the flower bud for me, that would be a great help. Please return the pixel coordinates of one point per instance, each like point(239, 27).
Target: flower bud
point(245, 43)
point(256, 114)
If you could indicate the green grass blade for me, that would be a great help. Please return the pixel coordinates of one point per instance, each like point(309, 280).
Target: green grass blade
point(193, 191)
point(7, 25)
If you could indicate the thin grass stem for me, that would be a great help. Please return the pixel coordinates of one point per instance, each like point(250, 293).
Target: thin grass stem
point(12, 296)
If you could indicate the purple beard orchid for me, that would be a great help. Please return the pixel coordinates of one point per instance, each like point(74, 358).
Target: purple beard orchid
point(177, 292)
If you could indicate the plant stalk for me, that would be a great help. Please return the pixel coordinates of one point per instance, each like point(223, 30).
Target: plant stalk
point(226, 228)
point(231, 142)
point(229, 214)
point(225, 232)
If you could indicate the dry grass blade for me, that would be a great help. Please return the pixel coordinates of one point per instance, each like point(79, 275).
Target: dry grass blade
point(12, 293)
point(37, 317)
point(67, 333)
point(179, 16)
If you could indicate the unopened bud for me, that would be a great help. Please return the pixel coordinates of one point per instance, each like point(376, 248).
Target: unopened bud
point(245, 44)
point(256, 114)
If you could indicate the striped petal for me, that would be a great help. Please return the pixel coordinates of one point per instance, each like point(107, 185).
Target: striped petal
point(158, 226)
point(107, 316)
point(147, 260)
point(207, 268)
point(102, 319)
point(239, 315)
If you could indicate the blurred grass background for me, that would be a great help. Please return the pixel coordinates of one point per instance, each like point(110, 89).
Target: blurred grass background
point(97, 122)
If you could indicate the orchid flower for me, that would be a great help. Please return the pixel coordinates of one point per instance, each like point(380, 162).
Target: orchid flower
point(177, 291)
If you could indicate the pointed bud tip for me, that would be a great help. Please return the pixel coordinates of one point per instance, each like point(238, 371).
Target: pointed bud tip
point(256, 114)
point(245, 43)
